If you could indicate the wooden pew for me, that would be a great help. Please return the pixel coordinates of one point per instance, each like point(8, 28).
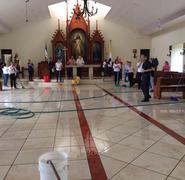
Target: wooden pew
point(164, 84)
point(163, 74)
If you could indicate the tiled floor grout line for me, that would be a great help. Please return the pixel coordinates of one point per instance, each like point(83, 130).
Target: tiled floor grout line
point(133, 148)
point(94, 161)
point(117, 98)
point(57, 123)
point(117, 143)
point(73, 160)
point(109, 129)
point(16, 119)
point(175, 167)
point(148, 118)
point(31, 130)
point(130, 163)
point(24, 142)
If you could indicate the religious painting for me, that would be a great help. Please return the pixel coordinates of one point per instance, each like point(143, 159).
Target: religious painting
point(59, 52)
point(78, 43)
point(97, 53)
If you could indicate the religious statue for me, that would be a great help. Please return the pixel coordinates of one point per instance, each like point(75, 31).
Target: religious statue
point(96, 52)
point(59, 52)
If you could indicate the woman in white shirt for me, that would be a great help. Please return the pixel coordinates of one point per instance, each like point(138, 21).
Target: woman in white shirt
point(5, 75)
point(58, 66)
point(116, 68)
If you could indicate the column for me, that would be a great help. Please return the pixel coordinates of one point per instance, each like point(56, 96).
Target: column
point(74, 71)
point(90, 72)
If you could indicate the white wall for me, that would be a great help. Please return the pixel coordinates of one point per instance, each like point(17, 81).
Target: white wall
point(29, 41)
point(161, 42)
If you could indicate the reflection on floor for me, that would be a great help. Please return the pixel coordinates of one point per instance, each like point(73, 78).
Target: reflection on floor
point(107, 139)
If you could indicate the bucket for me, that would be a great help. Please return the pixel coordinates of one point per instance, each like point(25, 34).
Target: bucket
point(60, 162)
point(46, 78)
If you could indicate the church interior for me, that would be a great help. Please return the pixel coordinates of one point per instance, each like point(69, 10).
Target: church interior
point(92, 90)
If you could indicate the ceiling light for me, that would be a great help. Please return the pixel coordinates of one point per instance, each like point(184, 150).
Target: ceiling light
point(59, 10)
point(27, 1)
point(89, 9)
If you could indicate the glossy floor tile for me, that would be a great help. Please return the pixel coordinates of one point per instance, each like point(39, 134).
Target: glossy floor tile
point(106, 139)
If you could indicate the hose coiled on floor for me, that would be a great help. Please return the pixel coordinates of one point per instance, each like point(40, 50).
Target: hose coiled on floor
point(18, 113)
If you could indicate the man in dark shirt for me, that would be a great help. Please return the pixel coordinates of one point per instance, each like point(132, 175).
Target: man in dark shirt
point(147, 69)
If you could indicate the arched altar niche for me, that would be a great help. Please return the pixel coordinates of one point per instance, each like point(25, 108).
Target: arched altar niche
point(59, 46)
point(97, 47)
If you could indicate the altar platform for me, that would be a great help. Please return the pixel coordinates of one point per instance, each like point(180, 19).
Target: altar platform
point(53, 83)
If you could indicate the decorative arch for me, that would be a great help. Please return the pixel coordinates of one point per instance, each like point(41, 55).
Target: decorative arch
point(96, 47)
point(78, 35)
point(59, 45)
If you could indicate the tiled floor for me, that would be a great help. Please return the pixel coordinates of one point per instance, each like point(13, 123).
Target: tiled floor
point(128, 146)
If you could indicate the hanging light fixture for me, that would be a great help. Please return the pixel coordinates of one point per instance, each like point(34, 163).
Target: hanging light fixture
point(87, 10)
point(27, 1)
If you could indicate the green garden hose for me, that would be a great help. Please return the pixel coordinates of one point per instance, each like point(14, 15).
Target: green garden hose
point(18, 113)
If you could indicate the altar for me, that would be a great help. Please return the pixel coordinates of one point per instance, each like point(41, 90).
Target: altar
point(91, 70)
point(77, 40)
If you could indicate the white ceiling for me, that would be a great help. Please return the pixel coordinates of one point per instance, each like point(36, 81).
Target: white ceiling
point(142, 15)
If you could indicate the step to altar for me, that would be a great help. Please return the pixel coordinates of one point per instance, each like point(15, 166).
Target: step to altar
point(53, 83)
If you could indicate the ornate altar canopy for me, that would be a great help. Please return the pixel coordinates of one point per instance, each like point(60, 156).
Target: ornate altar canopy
point(78, 41)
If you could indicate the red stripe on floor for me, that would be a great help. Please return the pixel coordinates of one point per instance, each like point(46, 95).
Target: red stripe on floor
point(95, 165)
point(148, 118)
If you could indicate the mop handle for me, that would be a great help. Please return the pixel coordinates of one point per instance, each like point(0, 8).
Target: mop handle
point(179, 82)
point(54, 169)
point(118, 76)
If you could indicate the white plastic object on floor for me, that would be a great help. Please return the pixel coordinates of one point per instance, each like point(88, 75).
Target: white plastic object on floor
point(60, 162)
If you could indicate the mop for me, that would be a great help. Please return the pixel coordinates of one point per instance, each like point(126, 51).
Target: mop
point(175, 98)
point(21, 82)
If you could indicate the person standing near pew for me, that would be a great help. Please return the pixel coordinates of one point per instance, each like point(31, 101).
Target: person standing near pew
point(166, 67)
point(139, 72)
point(145, 83)
point(130, 73)
point(13, 75)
